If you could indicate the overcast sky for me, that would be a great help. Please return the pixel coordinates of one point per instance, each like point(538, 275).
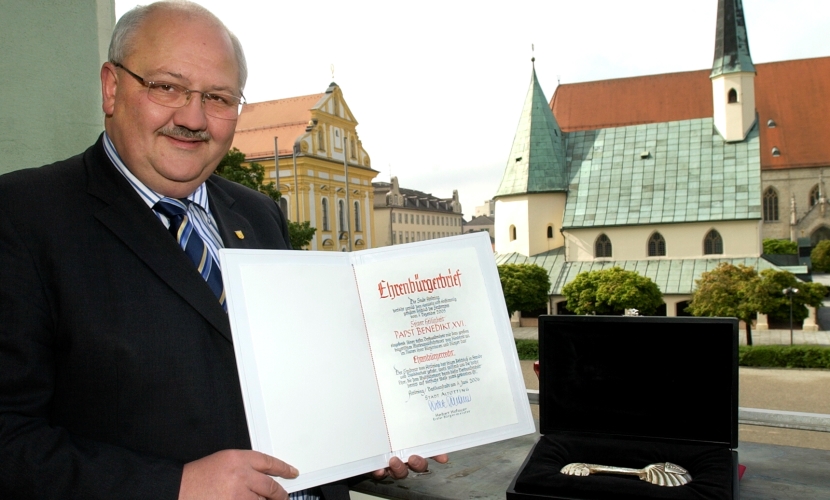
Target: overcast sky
point(438, 86)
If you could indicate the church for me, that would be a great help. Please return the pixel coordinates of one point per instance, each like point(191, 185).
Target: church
point(309, 146)
point(668, 175)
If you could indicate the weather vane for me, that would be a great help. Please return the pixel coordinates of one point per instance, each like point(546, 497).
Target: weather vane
point(532, 53)
point(332, 72)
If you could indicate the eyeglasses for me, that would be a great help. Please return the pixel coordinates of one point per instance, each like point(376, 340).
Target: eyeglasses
point(172, 95)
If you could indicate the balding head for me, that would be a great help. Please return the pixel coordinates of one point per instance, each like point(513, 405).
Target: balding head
point(123, 36)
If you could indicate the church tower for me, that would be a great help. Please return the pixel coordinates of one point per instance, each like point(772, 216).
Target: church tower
point(531, 198)
point(733, 74)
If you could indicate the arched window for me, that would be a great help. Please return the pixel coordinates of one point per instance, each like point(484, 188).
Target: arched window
point(357, 216)
point(321, 139)
point(325, 203)
point(815, 194)
point(712, 243)
point(602, 247)
point(341, 214)
point(770, 205)
point(352, 149)
point(512, 233)
point(656, 245)
point(550, 231)
point(284, 206)
point(732, 97)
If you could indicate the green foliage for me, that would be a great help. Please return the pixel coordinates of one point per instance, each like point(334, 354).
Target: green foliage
point(527, 349)
point(774, 303)
point(780, 247)
point(820, 256)
point(784, 356)
point(231, 167)
point(612, 291)
point(300, 233)
point(525, 287)
point(253, 175)
point(728, 291)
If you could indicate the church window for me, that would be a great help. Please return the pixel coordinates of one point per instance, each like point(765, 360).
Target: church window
point(656, 245)
point(512, 233)
point(341, 214)
point(284, 206)
point(325, 204)
point(732, 97)
point(321, 140)
point(353, 149)
point(602, 247)
point(770, 205)
point(357, 216)
point(712, 243)
point(815, 194)
point(550, 231)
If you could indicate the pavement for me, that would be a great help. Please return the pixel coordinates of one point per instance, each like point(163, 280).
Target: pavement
point(767, 388)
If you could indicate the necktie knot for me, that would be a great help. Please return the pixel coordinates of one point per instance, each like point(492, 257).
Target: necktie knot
point(171, 207)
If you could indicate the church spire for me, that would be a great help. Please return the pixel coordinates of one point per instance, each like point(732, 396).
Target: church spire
point(537, 158)
point(733, 74)
point(731, 41)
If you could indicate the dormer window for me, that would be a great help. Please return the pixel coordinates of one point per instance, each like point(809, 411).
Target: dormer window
point(732, 96)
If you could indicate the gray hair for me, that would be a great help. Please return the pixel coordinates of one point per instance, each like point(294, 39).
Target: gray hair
point(127, 26)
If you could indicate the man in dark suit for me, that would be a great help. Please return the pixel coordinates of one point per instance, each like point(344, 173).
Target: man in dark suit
point(117, 373)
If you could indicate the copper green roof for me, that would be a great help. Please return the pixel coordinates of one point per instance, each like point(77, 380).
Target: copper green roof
point(661, 173)
point(731, 41)
point(673, 276)
point(537, 158)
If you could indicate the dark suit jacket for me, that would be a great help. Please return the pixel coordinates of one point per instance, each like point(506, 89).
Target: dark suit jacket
point(116, 361)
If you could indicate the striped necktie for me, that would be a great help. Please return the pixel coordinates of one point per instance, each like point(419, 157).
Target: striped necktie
point(182, 229)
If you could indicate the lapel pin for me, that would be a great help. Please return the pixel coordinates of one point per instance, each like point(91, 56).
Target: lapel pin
point(239, 235)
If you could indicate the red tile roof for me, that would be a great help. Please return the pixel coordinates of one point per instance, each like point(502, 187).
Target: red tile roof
point(260, 122)
point(792, 93)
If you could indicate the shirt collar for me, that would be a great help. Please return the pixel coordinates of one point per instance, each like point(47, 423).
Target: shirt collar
point(149, 196)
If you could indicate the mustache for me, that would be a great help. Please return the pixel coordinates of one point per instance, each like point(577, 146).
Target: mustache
point(179, 132)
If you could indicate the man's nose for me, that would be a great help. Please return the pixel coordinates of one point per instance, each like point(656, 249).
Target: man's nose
point(192, 114)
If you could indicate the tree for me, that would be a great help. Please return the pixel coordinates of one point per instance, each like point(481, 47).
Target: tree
point(612, 291)
point(777, 305)
point(728, 290)
point(300, 233)
point(525, 286)
point(820, 256)
point(253, 176)
point(780, 247)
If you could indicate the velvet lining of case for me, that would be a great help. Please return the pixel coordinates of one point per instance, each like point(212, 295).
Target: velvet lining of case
point(709, 465)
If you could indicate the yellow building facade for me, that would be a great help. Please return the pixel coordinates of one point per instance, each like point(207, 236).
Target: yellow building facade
point(323, 172)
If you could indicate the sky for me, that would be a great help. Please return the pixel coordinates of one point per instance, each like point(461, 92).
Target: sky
point(437, 87)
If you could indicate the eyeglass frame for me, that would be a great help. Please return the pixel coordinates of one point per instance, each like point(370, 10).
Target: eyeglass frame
point(185, 91)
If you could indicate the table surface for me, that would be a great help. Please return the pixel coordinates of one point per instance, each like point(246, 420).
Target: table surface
point(485, 472)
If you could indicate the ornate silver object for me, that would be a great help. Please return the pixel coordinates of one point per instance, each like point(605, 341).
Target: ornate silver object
point(662, 474)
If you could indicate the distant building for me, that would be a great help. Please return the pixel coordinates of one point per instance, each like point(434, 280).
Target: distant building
point(663, 174)
point(316, 137)
point(406, 215)
point(481, 223)
point(488, 209)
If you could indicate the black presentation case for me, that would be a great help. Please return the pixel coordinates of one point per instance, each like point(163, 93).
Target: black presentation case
point(629, 392)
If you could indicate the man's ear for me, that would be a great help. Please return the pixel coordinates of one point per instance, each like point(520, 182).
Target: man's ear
point(109, 85)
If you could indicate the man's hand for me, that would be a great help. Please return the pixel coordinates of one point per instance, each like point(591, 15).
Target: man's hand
point(235, 474)
point(399, 470)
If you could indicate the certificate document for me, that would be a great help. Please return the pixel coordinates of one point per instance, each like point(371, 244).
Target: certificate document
point(349, 359)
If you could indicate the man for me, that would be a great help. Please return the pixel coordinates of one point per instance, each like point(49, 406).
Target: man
point(117, 373)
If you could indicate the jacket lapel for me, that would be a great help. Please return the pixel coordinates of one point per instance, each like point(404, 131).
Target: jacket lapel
point(234, 228)
point(134, 223)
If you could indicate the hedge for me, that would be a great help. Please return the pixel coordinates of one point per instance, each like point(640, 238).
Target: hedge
point(784, 356)
point(766, 356)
